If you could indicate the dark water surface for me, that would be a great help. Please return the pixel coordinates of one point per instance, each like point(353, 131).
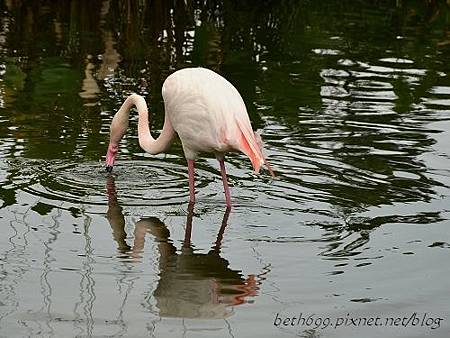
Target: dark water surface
point(353, 101)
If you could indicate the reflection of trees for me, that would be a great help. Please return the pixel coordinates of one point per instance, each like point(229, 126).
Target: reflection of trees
point(365, 142)
point(78, 58)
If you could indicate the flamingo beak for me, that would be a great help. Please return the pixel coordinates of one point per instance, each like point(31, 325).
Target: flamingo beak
point(111, 157)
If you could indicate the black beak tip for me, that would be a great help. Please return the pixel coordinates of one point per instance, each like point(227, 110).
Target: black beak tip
point(109, 168)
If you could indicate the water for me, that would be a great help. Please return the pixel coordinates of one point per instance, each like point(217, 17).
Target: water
point(353, 102)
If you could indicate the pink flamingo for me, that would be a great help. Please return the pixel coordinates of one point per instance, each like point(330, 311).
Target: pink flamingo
point(207, 113)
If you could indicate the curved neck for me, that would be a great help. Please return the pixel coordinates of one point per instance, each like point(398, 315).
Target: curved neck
point(119, 126)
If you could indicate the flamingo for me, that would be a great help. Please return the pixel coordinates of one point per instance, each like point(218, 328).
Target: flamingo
point(208, 114)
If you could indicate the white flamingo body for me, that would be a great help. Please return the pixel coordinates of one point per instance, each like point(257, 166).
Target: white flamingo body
point(207, 113)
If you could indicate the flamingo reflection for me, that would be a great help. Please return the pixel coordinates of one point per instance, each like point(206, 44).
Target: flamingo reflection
point(191, 284)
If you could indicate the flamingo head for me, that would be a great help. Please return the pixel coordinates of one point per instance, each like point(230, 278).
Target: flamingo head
point(111, 156)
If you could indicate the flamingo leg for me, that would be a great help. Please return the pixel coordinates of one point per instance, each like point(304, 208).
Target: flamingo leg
point(188, 231)
point(191, 181)
point(225, 183)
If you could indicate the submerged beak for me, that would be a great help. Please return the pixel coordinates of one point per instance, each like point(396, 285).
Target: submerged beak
point(109, 168)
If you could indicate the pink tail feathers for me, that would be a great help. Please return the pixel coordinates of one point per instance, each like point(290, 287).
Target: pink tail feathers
point(250, 148)
point(251, 144)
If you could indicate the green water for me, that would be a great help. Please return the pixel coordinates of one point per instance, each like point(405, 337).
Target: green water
point(351, 239)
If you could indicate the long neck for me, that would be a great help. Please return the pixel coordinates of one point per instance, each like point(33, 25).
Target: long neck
point(119, 126)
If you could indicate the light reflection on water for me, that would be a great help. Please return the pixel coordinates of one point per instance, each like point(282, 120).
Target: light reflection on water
point(356, 127)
